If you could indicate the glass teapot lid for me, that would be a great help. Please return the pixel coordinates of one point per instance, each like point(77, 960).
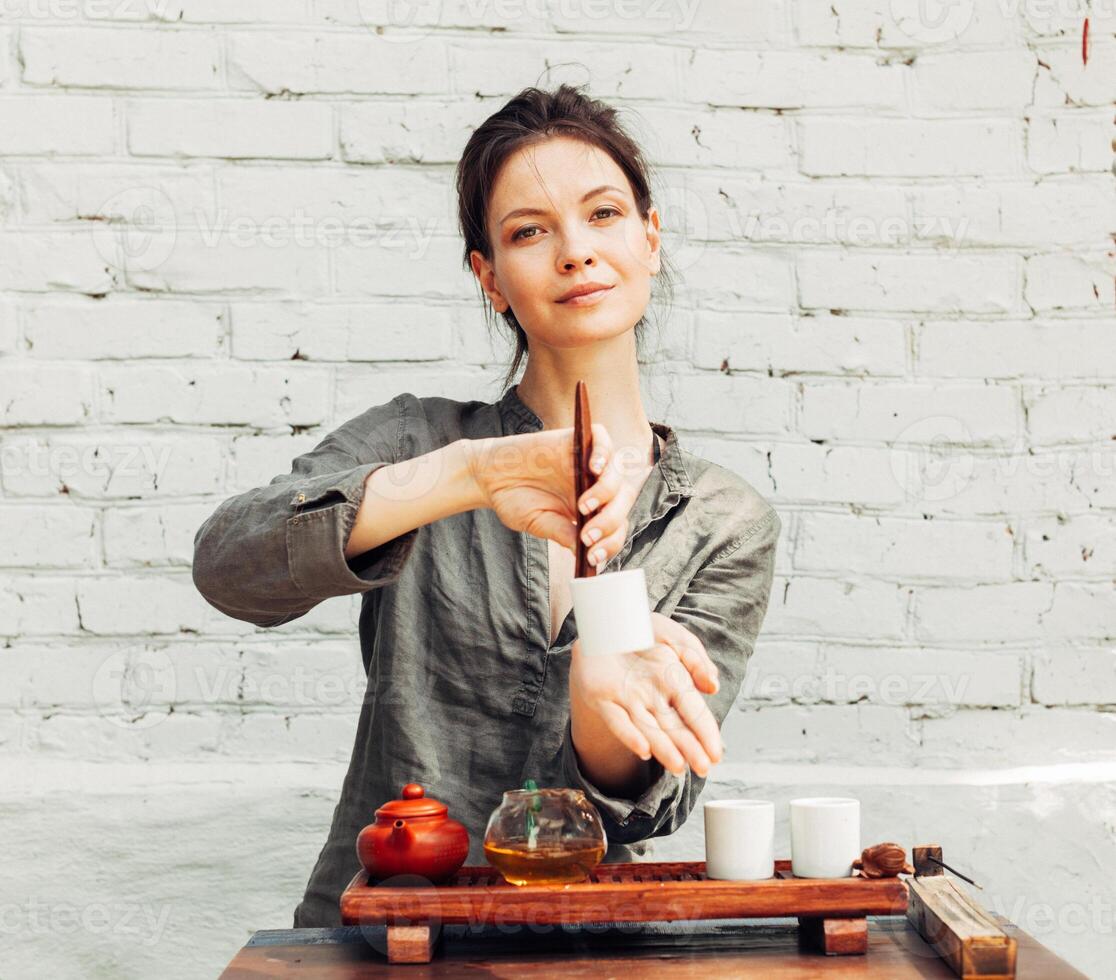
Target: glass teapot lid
point(415, 803)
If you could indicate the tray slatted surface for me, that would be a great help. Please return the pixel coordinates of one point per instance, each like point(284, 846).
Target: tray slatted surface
point(654, 891)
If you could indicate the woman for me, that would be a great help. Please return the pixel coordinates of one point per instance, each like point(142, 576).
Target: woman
point(456, 521)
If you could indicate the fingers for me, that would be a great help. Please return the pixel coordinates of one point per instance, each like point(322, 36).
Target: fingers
point(547, 524)
point(606, 532)
point(684, 740)
point(620, 722)
point(662, 745)
point(690, 650)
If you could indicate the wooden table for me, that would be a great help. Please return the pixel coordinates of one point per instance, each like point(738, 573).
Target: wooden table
point(685, 949)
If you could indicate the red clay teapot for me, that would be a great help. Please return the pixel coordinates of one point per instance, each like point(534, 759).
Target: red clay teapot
point(413, 835)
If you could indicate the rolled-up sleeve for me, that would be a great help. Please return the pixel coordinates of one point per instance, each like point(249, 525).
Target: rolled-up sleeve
point(269, 555)
point(724, 606)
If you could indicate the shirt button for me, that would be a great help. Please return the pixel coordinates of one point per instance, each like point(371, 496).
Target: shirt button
point(301, 497)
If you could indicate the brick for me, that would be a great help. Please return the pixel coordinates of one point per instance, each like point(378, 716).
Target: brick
point(792, 80)
point(631, 71)
point(1032, 736)
point(909, 413)
point(258, 458)
point(982, 80)
point(123, 59)
point(723, 208)
point(719, 403)
point(282, 331)
point(336, 63)
point(822, 733)
point(410, 131)
point(998, 612)
point(111, 465)
point(359, 389)
point(152, 536)
point(57, 124)
point(122, 329)
point(800, 345)
point(48, 537)
point(908, 282)
point(325, 206)
point(859, 475)
point(142, 195)
point(749, 22)
point(1069, 140)
point(1069, 675)
point(907, 550)
point(710, 137)
point(238, 395)
point(38, 605)
point(733, 278)
point(1069, 212)
point(1070, 413)
point(1063, 79)
point(1080, 546)
point(901, 24)
point(406, 267)
point(1026, 349)
point(1064, 281)
point(746, 459)
point(833, 146)
point(42, 261)
point(230, 128)
point(1081, 611)
point(906, 676)
point(830, 607)
point(253, 12)
point(140, 604)
point(36, 394)
point(231, 260)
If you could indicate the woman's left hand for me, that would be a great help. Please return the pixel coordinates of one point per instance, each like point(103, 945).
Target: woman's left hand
point(651, 700)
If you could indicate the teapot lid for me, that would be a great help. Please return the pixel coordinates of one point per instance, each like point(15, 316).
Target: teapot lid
point(415, 803)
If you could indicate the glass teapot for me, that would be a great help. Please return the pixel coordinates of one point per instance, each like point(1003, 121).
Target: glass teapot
point(544, 836)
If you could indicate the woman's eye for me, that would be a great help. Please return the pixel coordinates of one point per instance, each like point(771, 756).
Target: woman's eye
point(610, 211)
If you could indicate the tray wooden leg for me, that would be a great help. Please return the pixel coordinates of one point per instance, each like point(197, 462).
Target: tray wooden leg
point(833, 936)
point(411, 944)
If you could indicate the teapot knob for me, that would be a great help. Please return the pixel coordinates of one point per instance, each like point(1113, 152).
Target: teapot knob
point(413, 791)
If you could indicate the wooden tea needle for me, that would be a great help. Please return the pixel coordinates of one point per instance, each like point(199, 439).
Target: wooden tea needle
point(583, 476)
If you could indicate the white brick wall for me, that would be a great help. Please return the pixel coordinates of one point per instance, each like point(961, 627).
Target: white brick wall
point(219, 224)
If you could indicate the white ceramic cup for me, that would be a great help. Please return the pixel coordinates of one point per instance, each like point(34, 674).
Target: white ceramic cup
point(825, 836)
point(612, 612)
point(739, 839)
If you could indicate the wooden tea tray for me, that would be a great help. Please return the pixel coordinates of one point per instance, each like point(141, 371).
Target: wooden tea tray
point(831, 911)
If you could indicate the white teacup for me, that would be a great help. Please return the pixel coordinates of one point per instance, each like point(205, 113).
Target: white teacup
point(612, 612)
point(739, 839)
point(825, 836)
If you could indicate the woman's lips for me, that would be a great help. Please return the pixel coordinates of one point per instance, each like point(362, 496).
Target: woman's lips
point(587, 299)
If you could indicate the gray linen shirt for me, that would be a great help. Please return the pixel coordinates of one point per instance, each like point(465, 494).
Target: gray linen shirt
point(466, 695)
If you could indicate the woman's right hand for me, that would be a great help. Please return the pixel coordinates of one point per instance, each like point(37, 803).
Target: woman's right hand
point(528, 480)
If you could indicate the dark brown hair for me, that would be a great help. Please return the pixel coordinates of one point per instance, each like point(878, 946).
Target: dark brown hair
point(532, 116)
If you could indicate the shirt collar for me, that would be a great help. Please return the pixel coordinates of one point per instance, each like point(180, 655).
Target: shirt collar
point(668, 482)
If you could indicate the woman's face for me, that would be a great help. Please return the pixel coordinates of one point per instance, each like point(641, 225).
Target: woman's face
point(583, 227)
